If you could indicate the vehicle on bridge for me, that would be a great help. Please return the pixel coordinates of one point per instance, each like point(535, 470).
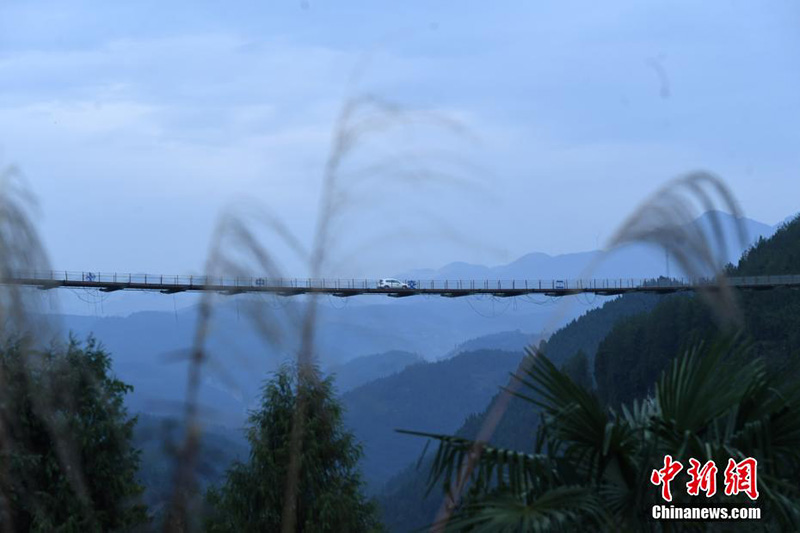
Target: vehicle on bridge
point(391, 283)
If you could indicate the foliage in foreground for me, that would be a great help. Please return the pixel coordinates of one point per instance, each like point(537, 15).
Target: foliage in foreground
point(329, 497)
point(591, 465)
point(639, 348)
point(66, 454)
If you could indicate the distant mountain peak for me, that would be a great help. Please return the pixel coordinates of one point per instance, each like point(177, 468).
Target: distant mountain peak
point(633, 261)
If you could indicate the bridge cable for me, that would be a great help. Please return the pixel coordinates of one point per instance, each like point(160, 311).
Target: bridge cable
point(548, 300)
point(493, 314)
point(336, 306)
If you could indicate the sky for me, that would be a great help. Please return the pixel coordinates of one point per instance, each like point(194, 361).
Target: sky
point(500, 128)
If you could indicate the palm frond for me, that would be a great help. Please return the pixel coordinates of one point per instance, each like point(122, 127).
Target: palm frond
point(565, 508)
point(579, 420)
point(506, 469)
point(592, 465)
point(705, 382)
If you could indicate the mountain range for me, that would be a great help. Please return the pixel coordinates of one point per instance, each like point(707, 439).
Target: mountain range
point(633, 261)
point(150, 349)
point(421, 364)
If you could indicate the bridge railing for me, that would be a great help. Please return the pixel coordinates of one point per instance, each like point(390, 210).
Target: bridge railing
point(93, 277)
point(192, 281)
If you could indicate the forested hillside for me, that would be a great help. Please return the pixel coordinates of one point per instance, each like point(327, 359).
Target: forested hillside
point(404, 502)
point(366, 368)
point(639, 348)
point(158, 439)
point(509, 341)
point(429, 396)
point(627, 343)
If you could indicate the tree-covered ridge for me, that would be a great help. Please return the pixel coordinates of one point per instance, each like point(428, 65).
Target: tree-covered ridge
point(509, 341)
point(582, 335)
point(366, 368)
point(592, 466)
point(778, 255)
point(66, 449)
point(404, 502)
point(634, 345)
point(427, 396)
point(252, 498)
point(640, 347)
point(587, 331)
point(637, 348)
point(157, 438)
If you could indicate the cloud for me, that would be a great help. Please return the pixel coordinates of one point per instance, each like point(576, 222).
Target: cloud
point(168, 112)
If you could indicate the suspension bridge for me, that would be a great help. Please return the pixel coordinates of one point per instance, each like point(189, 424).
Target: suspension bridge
point(173, 284)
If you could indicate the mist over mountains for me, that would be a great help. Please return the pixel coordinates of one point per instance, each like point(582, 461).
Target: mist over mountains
point(625, 345)
point(389, 357)
point(426, 397)
point(636, 261)
point(357, 267)
point(150, 348)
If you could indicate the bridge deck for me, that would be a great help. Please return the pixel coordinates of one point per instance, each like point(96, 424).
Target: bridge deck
point(354, 287)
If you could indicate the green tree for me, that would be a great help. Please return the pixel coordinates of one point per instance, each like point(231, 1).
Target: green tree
point(329, 495)
point(577, 368)
point(638, 348)
point(66, 456)
point(591, 467)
